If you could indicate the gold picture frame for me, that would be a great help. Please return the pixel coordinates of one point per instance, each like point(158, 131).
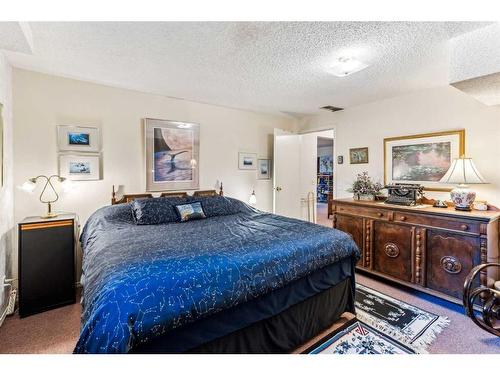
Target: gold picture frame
point(358, 155)
point(455, 138)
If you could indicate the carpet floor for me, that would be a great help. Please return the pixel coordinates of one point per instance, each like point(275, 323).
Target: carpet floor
point(56, 331)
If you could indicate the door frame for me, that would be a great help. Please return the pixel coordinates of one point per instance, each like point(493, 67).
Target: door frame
point(334, 154)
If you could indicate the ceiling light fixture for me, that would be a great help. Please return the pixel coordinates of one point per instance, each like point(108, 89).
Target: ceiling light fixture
point(345, 66)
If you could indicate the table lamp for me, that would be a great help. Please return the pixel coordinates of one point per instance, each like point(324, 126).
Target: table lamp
point(30, 185)
point(464, 173)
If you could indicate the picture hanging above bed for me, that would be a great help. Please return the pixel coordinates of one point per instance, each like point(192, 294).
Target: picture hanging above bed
point(172, 155)
point(79, 167)
point(78, 138)
point(247, 160)
point(422, 159)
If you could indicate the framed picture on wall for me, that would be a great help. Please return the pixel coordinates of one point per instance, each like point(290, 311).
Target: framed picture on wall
point(423, 158)
point(172, 155)
point(358, 155)
point(264, 169)
point(78, 138)
point(80, 167)
point(247, 160)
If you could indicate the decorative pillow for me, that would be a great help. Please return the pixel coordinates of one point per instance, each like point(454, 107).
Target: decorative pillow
point(190, 211)
point(150, 211)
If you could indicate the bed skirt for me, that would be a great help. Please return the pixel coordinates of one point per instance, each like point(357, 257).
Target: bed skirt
point(290, 329)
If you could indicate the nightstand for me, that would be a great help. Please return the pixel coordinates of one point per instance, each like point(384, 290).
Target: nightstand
point(46, 263)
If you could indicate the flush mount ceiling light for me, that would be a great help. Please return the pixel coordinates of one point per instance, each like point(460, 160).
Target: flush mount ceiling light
point(345, 66)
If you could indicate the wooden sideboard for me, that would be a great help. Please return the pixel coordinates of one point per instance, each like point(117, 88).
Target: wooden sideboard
point(426, 248)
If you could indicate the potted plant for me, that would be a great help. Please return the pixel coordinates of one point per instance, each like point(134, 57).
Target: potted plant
point(364, 188)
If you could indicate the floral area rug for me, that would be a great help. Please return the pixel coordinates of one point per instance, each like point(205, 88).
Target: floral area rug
point(384, 325)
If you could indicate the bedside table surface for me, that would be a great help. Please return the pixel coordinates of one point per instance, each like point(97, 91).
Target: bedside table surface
point(38, 219)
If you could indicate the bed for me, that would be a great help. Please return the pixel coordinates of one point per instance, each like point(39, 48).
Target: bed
point(238, 281)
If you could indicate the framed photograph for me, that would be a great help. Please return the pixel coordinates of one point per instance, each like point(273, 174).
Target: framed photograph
point(80, 167)
point(423, 158)
point(78, 138)
point(172, 155)
point(340, 159)
point(247, 161)
point(358, 155)
point(264, 169)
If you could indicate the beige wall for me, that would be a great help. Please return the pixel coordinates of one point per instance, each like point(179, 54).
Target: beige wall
point(6, 191)
point(431, 110)
point(41, 102)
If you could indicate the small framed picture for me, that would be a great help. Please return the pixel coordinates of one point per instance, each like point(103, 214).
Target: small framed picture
point(340, 159)
point(263, 169)
point(358, 155)
point(78, 138)
point(247, 161)
point(80, 167)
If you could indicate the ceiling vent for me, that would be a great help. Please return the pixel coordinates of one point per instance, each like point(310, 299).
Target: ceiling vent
point(331, 108)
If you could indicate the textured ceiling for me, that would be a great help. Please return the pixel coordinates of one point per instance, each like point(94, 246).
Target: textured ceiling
point(261, 66)
point(12, 38)
point(485, 89)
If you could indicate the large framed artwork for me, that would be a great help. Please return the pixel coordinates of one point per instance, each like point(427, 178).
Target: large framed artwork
point(78, 138)
point(172, 155)
point(422, 158)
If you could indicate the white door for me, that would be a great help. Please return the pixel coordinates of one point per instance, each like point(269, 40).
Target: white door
point(286, 181)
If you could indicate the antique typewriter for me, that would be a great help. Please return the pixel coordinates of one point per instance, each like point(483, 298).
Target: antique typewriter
point(404, 194)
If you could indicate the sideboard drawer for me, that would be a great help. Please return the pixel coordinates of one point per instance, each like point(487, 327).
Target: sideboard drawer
point(374, 213)
point(437, 222)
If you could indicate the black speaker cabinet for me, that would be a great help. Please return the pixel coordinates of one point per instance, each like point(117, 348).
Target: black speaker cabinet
point(46, 263)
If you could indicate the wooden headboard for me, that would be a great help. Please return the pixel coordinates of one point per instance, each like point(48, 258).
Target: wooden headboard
point(130, 197)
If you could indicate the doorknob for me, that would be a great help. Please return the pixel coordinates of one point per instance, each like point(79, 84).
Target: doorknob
point(278, 188)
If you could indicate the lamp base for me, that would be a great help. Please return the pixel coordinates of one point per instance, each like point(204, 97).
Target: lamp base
point(463, 198)
point(49, 215)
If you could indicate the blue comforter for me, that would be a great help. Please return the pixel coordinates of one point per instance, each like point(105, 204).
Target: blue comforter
point(141, 281)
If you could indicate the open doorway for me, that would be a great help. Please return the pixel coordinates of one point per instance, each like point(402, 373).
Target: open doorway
point(324, 180)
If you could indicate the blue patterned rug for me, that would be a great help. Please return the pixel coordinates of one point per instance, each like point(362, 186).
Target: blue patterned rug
point(384, 325)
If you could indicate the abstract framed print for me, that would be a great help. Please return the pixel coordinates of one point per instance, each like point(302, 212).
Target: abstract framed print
point(422, 158)
point(80, 167)
point(78, 138)
point(247, 160)
point(263, 169)
point(172, 155)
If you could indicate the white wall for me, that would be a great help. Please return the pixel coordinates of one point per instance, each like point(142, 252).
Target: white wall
point(6, 192)
point(437, 109)
point(41, 102)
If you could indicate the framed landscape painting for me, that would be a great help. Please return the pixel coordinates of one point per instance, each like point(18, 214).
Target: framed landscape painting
point(78, 138)
point(358, 155)
point(172, 155)
point(264, 169)
point(79, 167)
point(423, 158)
point(247, 160)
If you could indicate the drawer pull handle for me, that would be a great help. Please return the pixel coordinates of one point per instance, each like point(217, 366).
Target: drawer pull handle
point(391, 250)
point(403, 218)
point(464, 227)
point(380, 214)
point(451, 264)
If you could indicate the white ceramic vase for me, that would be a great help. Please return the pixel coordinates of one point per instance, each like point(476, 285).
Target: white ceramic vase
point(462, 197)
